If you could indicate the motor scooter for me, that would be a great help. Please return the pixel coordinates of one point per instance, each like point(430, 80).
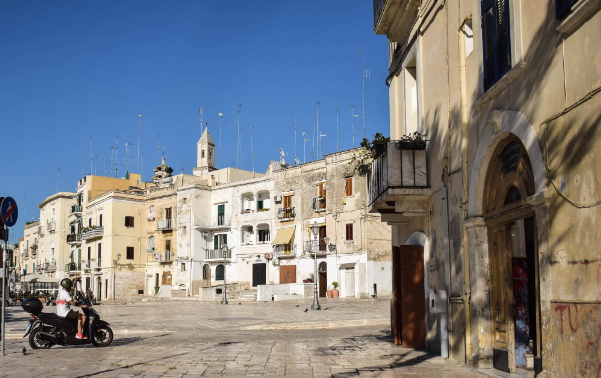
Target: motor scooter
point(46, 329)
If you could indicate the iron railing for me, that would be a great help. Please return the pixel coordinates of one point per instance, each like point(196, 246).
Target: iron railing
point(285, 213)
point(284, 251)
point(51, 226)
point(312, 245)
point(378, 9)
point(76, 209)
point(164, 224)
point(94, 232)
point(319, 204)
point(218, 254)
point(402, 165)
point(217, 221)
point(74, 238)
point(164, 256)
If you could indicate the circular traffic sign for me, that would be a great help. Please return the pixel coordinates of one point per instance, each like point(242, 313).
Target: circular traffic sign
point(9, 211)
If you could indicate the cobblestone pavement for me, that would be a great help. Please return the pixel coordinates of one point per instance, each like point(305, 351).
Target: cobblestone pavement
point(167, 339)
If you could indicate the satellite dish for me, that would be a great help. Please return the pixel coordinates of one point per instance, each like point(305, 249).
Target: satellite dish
point(282, 154)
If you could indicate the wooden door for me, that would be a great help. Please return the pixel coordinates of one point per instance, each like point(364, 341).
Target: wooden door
point(349, 282)
point(287, 274)
point(323, 284)
point(206, 276)
point(501, 295)
point(259, 274)
point(166, 279)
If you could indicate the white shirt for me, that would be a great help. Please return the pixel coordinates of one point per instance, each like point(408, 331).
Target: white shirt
point(62, 303)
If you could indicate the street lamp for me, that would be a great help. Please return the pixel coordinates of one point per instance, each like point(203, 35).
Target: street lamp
point(115, 263)
point(224, 252)
point(315, 232)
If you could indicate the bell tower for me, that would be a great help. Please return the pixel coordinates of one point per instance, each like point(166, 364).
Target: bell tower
point(205, 154)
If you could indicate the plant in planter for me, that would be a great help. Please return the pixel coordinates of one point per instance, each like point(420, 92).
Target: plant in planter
point(413, 141)
point(370, 152)
point(335, 292)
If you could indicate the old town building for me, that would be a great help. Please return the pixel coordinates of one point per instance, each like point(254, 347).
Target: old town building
point(494, 218)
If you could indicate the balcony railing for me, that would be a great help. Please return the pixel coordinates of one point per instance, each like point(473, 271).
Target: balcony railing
point(34, 250)
point(76, 210)
point(286, 213)
point(311, 246)
point(218, 254)
point(164, 225)
point(218, 221)
point(319, 204)
point(72, 267)
point(94, 232)
point(86, 264)
point(402, 166)
point(166, 256)
point(51, 226)
point(285, 251)
point(378, 9)
point(74, 238)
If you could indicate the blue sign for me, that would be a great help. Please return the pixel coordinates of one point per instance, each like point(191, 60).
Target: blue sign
point(9, 211)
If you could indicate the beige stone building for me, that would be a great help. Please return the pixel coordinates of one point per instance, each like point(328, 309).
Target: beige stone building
point(497, 217)
point(29, 248)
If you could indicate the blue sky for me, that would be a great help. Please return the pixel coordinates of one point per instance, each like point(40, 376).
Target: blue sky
point(73, 70)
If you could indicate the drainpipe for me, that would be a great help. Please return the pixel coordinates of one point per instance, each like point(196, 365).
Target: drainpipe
point(444, 324)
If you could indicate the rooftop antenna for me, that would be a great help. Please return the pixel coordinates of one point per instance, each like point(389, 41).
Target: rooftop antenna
point(313, 150)
point(202, 112)
point(282, 154)
point(318, 131)
point(304, 146)
point(105, 163)
point(142, 162)
point(353, 115)
point(320, 136)
point(91, 159)
point(159, 151)
point(337, 144)
point(364, 74)
point(116, 156)
point(57, 175)
point(96, 164)
point(238, 147)
point(112, 157)
point(139, 133)
point(82, 167)
point(219, 146)
point(295, 123)
point(252, 151)
point(127, 151)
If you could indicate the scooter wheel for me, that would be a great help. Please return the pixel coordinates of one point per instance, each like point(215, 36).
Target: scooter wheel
point(103, 336)
point(35, 342)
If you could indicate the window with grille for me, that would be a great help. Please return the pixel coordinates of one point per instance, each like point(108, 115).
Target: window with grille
point(130, 253)
point(349, 232)
point(496, 40)
point(129, 221)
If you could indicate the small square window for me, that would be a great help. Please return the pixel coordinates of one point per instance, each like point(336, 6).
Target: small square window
point(183, 267)
point(129, 221)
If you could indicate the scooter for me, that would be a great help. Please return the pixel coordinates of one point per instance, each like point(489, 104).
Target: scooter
point(50, 299)
point(46, 330)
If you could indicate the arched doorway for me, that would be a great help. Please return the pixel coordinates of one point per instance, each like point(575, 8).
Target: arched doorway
point(322, 272)
point(513, 257)
point(206, 275)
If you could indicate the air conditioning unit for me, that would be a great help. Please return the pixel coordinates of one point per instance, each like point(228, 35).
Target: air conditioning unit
point(277, 199)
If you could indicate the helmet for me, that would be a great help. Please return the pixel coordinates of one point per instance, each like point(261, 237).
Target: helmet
point(66, 283)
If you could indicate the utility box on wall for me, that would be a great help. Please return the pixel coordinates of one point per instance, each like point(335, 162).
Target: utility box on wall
point(437, 301)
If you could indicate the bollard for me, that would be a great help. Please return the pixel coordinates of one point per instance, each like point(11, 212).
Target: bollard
point(376, 291)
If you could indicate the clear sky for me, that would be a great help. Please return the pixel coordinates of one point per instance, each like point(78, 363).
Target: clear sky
point(73, 70)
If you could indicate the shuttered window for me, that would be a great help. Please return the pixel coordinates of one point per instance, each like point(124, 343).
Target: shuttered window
point(219, 272)
point(348, 187)
point(564, 7)
point(496, 40)
point(287, 201)
point(129, 221)
point(349, 231)
point(322, 189)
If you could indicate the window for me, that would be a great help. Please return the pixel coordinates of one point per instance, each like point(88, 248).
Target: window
point(349, 232)
point(221, 215)
point(263, 236)
point(183, 230)
point(219, 241)
point(130, 253)
point(206, 272)
point(168, 213)
point(411, 97)
point(563, 7)
point(322, 235)
point(90, 222)
point(202, 154)
point(219, 272)
point(348, 187)
point(89, 253)
point(100, 220)
point(183, 267)
point(129, 221)
point(260, 205)
point(167, 245)
point(99, 251)
point(321, 191)
point(287, 201)
point(496, 40)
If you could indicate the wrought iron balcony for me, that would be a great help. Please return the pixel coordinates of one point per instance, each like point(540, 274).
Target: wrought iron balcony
point(34, 249)
point(319, 204)
point(165, 225)
point(93, 232)
point(217, 222)
point(72, 267)
point(76, 210)
point(286, 213)
point(402, 169)
point(166, 256)
point(218, 255)
point(313, 247)
point(51, 226)
point(284, 251)
point(74, 238)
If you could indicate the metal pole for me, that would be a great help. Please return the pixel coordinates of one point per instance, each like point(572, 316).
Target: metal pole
point(224, 300)
point(4, 285)
point(315, 305)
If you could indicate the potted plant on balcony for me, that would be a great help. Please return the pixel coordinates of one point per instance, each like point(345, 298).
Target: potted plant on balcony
point(370, 152)
point(413, 141)
point(335, 290)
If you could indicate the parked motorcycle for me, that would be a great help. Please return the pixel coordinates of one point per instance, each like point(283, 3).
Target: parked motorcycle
point(47, 329)
point(51, 299)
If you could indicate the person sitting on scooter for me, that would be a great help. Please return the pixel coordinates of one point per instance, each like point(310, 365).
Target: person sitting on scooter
point(63, 308)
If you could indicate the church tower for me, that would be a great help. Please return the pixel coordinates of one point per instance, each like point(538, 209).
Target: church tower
point(205, 155)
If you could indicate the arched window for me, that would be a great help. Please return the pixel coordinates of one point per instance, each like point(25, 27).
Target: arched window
point(206, 272)
point(323, 266)
point(219, 272)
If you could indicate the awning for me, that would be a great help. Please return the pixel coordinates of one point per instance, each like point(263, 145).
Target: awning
point(284, 235)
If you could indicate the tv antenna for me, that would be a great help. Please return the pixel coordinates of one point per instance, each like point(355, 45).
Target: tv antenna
point(304, 146)
point(139, 134)
point(202, 112)
point(159, 151)
point(337, 144)
point(295, 124)
point(91, 158)
point(318, 131)
point(105, 163)
point(116, 156)
point(282, 154)
point(365, 73)
point(238, 146)
point(57, 175)
point(219, 146)
point(252, 153)
point(127, 159)
point(353, 115)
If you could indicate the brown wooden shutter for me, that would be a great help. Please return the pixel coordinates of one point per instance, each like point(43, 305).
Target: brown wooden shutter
point(348, 189)
point(349, 231)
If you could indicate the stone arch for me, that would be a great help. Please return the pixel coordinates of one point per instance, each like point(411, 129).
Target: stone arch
point(501, 125)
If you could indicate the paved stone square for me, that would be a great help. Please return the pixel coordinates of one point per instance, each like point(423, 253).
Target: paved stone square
point(188, 339)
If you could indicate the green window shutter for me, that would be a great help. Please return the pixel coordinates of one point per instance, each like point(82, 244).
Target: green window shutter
point(220, 209)
point(259, 205)
point(33, 268)
point(216, 242)
point(225, 239)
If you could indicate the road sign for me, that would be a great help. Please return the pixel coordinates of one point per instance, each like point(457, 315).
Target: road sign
point(9, 211)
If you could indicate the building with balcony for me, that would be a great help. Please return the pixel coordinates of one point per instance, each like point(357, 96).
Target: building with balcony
point(506, 93)
point(29, 247)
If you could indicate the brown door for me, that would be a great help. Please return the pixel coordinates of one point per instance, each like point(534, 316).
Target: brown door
point(323, 283)
point(409, 319)
point(206, 276)
point(501, 293)
point(287, 274)
point(166, 279)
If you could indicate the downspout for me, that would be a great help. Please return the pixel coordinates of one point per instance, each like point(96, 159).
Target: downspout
point(465, 238)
